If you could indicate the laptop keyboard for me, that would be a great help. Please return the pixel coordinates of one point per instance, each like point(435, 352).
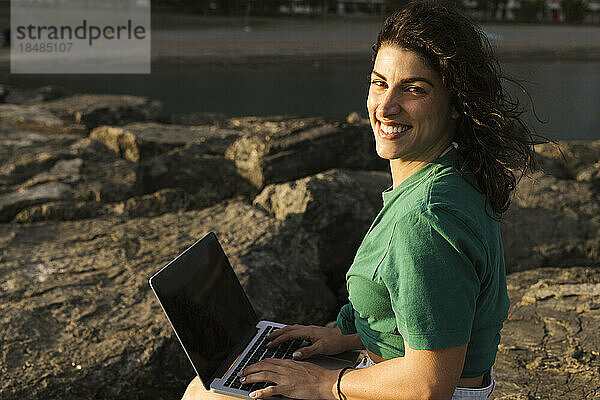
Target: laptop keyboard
point(260, 351)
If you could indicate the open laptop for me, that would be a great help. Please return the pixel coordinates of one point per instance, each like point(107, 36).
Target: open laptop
point(215, 322)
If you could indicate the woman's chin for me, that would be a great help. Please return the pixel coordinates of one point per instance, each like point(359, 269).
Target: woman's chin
point(387, 155)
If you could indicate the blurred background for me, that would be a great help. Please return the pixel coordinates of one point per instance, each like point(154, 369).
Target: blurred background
point(312, 57)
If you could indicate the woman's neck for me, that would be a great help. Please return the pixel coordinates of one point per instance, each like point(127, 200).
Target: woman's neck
point(403, 168)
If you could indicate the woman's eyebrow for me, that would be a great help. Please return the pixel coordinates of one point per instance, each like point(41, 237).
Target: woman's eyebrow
point(407, 80)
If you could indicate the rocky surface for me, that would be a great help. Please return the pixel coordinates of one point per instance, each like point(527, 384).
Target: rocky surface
point(96, 110)
point(280, 151)
point(78, 318)
point(98, 192)
point(555, 216)
point(141, 141)
point(550, 348)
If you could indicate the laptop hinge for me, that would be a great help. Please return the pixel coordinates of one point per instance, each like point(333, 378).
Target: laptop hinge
point(235, 352)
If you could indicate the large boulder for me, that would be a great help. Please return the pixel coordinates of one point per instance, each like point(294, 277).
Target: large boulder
point(211, 178)
point(552, 221)
point(337, 206)
point(550, 348)
point(273, 153)
point(141, 141)
point(93, 110)
point(62, 170)
point(79, 320)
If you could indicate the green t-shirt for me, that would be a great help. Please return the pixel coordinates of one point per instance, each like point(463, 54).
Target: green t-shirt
point(430, 271)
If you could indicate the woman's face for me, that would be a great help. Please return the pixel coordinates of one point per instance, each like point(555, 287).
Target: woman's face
point(408, 106)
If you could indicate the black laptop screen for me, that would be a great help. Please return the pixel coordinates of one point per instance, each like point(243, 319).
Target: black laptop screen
point(205, 303)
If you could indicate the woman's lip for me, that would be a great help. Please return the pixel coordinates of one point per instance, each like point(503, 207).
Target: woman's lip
point(385, 135)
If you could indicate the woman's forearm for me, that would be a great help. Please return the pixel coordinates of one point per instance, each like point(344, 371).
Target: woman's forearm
point(420, 374)
point(393, 379)
point(351, 342)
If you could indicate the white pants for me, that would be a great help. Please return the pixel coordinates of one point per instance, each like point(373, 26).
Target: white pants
point(460, 393)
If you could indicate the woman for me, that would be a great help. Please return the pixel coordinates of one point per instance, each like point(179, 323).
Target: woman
point(427, 288)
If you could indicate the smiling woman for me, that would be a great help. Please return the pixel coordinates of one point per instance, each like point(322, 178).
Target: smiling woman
point(427, 288)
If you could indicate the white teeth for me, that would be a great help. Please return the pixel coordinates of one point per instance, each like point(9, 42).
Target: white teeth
point(394, 129)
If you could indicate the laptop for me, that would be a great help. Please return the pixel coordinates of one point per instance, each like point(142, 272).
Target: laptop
point(215, 322)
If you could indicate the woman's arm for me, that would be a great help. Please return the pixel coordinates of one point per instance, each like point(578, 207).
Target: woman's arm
point(324, 340)
point(420, 374)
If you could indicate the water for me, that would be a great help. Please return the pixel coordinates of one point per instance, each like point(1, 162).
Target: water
point(566, 93)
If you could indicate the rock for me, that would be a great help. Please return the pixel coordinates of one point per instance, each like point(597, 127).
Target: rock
point(160, 202)
point(549, 345)
point(199, 118)
point(90, 170)
point(578, 154)
point(93, 110)
point(60, 211)
point(101, 178)
point(353, 118)
point(271, 156)
point(107, 182)
point(29, 116)
point(92, 150)
point(12, 203)
point(35, 95)
point(337, 206)
point(210, 178)
point(79, 320)
point(24, 153)
point(589, 174)
point(140, 141)
point(552, 222)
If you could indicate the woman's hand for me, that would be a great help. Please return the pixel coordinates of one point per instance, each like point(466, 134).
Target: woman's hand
point(324, 340)
point(295, 379)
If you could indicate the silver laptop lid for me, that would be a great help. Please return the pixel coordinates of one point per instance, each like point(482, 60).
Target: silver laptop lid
point(205, 304)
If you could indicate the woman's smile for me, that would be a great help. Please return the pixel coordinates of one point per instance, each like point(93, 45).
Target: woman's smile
point(391, 131)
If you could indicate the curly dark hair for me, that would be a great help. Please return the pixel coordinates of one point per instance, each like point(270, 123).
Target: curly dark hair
point(494, 141)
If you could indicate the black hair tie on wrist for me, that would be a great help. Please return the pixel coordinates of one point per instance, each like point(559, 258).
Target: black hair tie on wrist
point(339, 381)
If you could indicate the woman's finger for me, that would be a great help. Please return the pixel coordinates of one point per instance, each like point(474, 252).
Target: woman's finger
point(266, 392)
point(294, 332)
point(262, 376)
point(268, 364)
point(305, 352)
point(283, 330)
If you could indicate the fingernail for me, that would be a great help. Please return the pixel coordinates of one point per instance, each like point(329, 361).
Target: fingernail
point(296, 354)
point(242, 379)
point(253, 394)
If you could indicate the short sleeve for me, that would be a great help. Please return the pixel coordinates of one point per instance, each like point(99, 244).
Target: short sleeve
point(431, 275)
point(345, 320)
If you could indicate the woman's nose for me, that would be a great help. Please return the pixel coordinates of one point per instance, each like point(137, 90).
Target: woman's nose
point(389, 106)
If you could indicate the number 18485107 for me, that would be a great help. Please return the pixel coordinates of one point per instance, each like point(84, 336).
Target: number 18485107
point(45, 47)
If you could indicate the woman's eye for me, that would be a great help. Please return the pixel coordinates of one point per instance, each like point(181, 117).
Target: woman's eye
point(415, 89)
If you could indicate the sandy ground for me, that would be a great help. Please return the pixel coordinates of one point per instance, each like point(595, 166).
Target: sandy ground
point(203, 39)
